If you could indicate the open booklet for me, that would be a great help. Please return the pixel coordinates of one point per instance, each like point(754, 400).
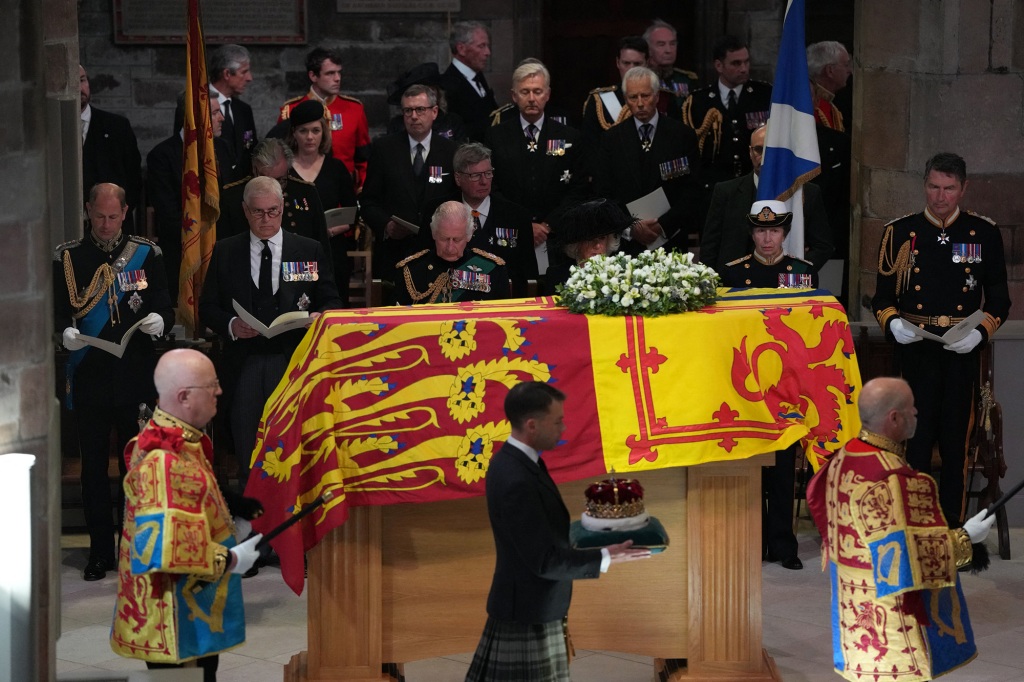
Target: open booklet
point(297, 319)
point(412, 227)
point(954, 333)
point(345, 215)
point(115, 349)
point(651, 206)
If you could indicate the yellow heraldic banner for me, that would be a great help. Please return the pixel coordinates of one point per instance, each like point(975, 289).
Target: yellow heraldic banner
point(390, 405)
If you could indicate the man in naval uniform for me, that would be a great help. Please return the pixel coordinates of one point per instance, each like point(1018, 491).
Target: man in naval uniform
point(725, 113)
point(350, 133)
point(936, 268)
point(450, 272)
point(104, 285)
point(676, 84)
point(606, 106)
point(303, 212)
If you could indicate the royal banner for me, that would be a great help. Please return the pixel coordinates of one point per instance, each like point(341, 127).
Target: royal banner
point(390, 405)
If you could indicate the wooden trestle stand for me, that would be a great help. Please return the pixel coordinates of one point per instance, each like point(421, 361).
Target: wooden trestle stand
point(407, 582)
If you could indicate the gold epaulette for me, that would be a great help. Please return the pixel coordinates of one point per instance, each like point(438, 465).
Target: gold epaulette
point(350, 99)
point(61, 248)
point(405, 261)
point(496, 114)
point(301, 181)
point(689, 74)
point(802, 260)
point(488, 255)
point(738, 260)
point(598, 91)
point(151, 244)
point(244, 180)
point(896, 220)
point(286, 108)
point(983, 217)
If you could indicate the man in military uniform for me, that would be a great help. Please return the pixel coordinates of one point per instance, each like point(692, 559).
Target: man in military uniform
point(103, 286)
point(350, 134)
point(769, 267)
point(538, 162)
point(450, 272)
point(725, 113)
point(676, 84)
point(607, 106)
point(303, 212)
point(936, 268)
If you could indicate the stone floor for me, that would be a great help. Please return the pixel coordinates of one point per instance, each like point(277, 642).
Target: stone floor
point(796, 629)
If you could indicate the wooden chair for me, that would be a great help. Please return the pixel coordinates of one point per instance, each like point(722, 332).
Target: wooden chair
point(360, 285)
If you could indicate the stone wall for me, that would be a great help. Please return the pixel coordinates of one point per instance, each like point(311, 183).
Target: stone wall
point(931, 77)
point(141, 82)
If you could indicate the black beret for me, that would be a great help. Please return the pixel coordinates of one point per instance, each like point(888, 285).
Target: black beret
point(306, 112)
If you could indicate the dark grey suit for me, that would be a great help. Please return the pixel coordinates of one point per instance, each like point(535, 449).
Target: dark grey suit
point(535, 564)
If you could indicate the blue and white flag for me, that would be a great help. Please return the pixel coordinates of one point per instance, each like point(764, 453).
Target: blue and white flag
point(791, 145)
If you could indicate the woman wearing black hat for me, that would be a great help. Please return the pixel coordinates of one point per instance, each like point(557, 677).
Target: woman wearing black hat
point(308, 137)
point(584, 231)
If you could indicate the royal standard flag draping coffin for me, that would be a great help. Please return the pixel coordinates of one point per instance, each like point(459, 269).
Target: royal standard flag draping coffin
point(391, 405)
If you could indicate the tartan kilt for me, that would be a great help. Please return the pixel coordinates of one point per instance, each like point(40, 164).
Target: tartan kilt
point(520, 652)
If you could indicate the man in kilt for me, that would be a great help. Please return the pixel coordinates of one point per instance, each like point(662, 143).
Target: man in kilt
point(525, 635)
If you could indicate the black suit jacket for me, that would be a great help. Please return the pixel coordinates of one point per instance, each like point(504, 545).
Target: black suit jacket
point(163, 193)
point(240, 137)
point(303, 212)
point(465, 100)
point(535, 564)
point(111, 154)
point(625, 172)
point(545, 184)
point(229, 278)
point(391, 188)
point(726, 234)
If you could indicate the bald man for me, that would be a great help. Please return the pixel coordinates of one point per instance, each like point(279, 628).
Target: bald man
point(179, 555)
point(898, 609)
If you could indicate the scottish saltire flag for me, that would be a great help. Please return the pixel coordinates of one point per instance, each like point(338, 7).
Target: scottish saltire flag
point(791, 146)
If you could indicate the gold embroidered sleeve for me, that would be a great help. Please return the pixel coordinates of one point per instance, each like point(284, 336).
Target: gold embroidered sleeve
point(963, 552)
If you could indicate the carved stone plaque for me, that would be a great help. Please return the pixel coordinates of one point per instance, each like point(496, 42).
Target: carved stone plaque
point(268, 22)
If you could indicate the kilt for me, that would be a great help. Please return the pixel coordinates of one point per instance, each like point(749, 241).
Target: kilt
point(520, 652)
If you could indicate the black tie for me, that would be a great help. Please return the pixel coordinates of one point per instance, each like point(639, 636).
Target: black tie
point(531, 133)
point(227, 111)
point(645, 136)
point(481, 84)
point(266, 264)
point(732, 100)
point(417, 162)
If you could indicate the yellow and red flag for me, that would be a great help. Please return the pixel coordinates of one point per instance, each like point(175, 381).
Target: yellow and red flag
point(200, 190)
point(393, 405)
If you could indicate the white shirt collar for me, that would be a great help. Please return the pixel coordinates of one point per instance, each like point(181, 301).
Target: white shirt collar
point(653, 122)
point(425, 142)
point(276, 240)
point(530, 452)
point(469, 73)
point(87, 113)
point(483, 209)
point(523, 123)
point(221, 97)
point(723, 91)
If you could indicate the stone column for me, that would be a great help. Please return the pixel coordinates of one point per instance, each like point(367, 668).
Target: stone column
point(932, 77)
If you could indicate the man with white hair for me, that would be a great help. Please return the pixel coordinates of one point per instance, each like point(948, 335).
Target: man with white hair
point(179, 596)
point(268, 271)
point(644, 153)
point(537, 160)
point(451, 272)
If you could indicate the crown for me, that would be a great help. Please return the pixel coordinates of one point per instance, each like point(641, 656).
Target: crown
point(616, 498)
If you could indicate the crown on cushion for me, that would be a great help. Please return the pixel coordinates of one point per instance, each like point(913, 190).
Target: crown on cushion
point(616, 498)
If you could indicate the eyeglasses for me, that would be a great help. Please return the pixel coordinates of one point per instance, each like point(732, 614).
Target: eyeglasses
point(473, 177)
point(419, 111)
point(212, 386)
point(262, 213)
point(757, 149)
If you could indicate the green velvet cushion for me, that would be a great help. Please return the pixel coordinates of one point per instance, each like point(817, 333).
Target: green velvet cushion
point(652, 536)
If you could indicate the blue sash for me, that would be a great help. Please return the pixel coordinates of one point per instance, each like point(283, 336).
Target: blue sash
point(94, 321)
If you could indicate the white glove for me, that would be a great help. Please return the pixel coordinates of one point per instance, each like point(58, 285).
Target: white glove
point(242, 528)
point(977, 526)
point(903, 332)
point(966, 344)
point(152, 324)
point(246, 554)
point(71, 340)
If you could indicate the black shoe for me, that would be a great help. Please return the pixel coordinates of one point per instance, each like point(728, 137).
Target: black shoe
point(793, 563)
point(251, 572)
point(97, 569)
